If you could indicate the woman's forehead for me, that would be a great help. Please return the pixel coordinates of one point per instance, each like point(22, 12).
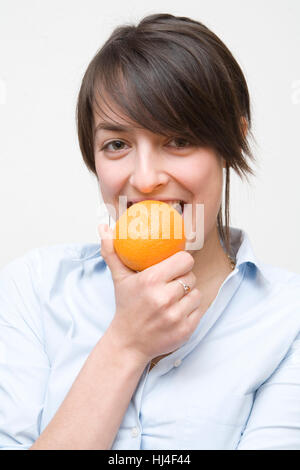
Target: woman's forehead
point(106, 110)
point(111, 121)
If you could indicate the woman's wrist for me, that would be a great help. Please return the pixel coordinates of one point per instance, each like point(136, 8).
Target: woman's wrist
point(122, 352)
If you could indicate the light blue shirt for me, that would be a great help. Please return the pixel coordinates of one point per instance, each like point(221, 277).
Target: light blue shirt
point(235, 384)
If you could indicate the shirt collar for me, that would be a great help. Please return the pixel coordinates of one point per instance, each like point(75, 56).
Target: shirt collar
point(243, 252)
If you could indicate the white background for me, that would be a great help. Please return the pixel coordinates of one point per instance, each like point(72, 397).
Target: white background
point(47, 195)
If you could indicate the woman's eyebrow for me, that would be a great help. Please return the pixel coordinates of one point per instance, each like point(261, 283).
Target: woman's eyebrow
point(109, 126)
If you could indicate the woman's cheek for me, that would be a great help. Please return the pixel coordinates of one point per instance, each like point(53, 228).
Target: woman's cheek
point(111, 174)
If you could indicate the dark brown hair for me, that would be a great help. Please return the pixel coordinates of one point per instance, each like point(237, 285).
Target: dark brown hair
point(172, 76)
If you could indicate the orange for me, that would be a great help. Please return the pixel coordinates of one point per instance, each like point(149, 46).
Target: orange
point(148, 232)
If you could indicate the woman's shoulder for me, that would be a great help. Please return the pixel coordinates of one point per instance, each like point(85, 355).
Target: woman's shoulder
point(53, 254)
point(282, 292)
point(41, 265)
point(42, 274)
point(279, 275)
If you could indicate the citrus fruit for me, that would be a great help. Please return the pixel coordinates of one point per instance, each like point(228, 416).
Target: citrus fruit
point(148, 232)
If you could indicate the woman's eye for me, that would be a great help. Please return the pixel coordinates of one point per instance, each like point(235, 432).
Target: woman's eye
point(180, 142)
point(116, 144)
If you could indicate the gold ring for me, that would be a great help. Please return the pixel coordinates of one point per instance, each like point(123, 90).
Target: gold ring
point(185, 286)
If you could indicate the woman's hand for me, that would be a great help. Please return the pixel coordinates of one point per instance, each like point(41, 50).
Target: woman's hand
point(153, 315)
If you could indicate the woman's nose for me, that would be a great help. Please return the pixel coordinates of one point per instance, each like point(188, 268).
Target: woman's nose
point(148, 174)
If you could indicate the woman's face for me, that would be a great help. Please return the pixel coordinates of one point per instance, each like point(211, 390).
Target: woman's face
point(139, 164)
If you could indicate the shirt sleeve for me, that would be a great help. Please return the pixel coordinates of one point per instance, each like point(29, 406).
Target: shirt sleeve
point(24, 364)
point(274, 422)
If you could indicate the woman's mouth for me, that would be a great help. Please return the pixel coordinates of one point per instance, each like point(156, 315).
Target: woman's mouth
point(176, 204)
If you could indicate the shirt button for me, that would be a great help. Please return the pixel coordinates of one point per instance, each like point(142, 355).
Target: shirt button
point(177, 362)
point(134, 432)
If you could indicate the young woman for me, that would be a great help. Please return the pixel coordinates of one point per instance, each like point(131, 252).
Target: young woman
point(97, 356)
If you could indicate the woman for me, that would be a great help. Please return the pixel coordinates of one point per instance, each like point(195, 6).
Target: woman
point(97, 356)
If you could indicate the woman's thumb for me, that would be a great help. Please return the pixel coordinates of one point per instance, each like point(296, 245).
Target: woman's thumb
point(117, 268)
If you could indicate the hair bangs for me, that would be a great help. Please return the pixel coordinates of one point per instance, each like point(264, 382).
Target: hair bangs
point(147, 92)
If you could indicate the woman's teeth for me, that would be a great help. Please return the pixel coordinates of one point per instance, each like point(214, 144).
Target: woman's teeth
point(177, 205)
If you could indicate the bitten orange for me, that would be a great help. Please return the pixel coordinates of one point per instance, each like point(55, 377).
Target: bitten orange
point(148, 232)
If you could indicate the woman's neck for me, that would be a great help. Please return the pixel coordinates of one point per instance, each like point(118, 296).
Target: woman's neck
point(211, 262)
